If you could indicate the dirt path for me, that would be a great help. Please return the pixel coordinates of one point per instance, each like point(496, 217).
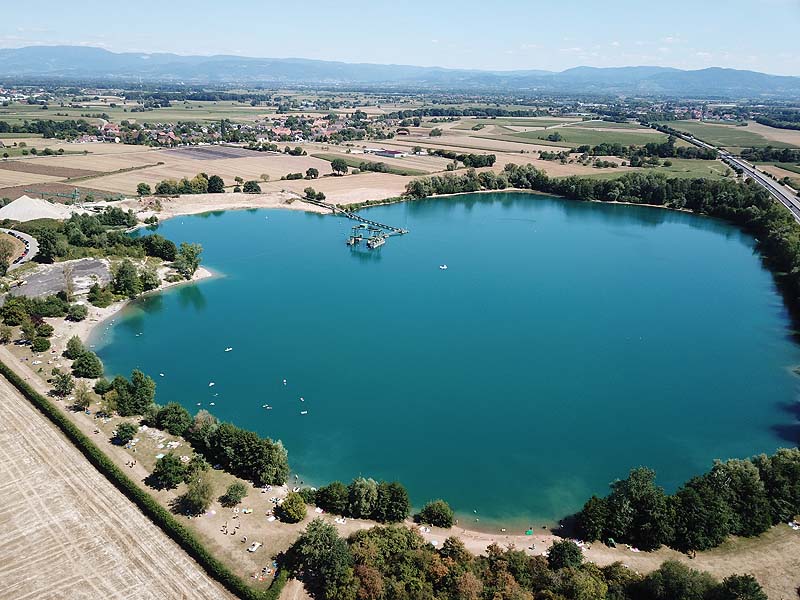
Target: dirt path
point(68, 533)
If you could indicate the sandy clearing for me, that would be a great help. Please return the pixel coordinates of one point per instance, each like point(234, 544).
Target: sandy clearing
point(68, 533)
point(348, 189)
point(788, 136)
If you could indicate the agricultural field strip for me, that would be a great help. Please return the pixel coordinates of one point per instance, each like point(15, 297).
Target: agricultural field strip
point(68, 532)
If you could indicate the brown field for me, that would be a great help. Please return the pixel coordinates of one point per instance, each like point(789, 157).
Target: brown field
point(68, 533)
point(42, 168)
point(11, 178)
point(348, 189)
point(781, 173)
point(788, 136)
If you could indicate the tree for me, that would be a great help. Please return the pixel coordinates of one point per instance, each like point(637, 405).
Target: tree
point(168, 472)
point(339, 166)
point(362, 498)
point(333, 498)
point(251, 187)
point(143, 189)
point(40, 344)
point(565, 553)
point(126, 280)
point(83, 395)
point(196, 465)
point(638, 511)
point(322, 557)
point(393, 504)
point(312, 173)
point(739, 587)
point(87, 365)
point(74, 348)
point(233, 495)
point(48, 245)
point(437, 513)
point(149, 279)
point(310, 193)
point(198, 496)
point(63, 384)
point(435, 132)
point(592, 519)
point(674, 581)
point(216, 185)
point(126, 431)
point(136, 395)
point(293, 508)
point(6, 254)
point(77, 312)
point(28, 329)
point(5, 334)
point(174, 419)
point(188, 259)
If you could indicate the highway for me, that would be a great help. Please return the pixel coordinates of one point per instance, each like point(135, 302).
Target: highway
point(782, 194)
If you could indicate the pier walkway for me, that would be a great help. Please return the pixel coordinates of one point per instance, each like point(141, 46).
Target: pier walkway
point(338, 211)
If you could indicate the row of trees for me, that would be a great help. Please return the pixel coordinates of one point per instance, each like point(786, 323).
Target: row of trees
point(365, 499)
point(47, 128)
point(240, 452)
point(199, 184)
point(395, 562)
point(770, 154)
point(469, 160)
point(666, 149)
point(737, 497)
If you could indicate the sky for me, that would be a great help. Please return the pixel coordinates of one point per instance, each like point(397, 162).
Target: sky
point(760, 35)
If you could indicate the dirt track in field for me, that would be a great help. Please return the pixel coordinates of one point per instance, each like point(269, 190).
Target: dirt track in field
point(68, 533)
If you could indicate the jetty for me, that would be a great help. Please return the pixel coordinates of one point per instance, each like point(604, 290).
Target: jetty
point(373, 232)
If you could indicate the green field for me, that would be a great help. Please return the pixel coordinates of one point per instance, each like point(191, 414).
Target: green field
point(726, 136)
point(577, 136)
point(785, 166)
point(520, 122)
point(683, 168)
point(15, 114)
point(354, 162)
point(608, 125)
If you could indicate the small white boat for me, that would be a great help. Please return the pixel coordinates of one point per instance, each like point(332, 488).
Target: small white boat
point(213, 403)
point(284, 382)
point(228, 349)
point(212, 384)
point(267, 406)
point(443, 267)
point(161, 374)
point(303, 412)
point(302, 399)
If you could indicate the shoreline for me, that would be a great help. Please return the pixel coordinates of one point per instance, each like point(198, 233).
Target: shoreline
point(86, 329)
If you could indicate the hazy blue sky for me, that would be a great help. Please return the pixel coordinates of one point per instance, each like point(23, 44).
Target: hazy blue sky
point(498, 34)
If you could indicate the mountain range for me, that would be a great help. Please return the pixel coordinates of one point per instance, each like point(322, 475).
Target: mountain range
point(74, 63)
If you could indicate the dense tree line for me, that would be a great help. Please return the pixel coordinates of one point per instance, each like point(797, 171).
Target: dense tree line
point(48, 128)
point(199, 184)
point(786, 118)
point(385, 502)
point(736, 497)
point(239, 451)
point(86, 235)
point(469, 160)
point(770, 154)
point(666, 149)
point(449, 111)
point(396, 562)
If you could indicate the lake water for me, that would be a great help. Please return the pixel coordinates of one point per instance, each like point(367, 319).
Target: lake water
point(565, 344)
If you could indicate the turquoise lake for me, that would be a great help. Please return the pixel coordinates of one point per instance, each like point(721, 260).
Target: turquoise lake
point(565, 344)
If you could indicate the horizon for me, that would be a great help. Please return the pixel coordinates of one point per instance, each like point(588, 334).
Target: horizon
point(394, 64)
point(534, 36)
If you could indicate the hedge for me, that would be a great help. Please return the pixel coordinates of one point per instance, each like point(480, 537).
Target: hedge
point(143, 500)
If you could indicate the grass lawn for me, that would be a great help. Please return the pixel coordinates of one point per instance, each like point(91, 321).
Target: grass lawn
point(515, 122)
point(355, 161)
point(683, 168)
point(727, 136)
point(5, 136)
point(608, 125)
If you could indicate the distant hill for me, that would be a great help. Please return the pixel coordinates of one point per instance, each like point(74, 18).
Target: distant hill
point(78, 62)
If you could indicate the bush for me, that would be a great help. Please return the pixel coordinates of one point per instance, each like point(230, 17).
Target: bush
point(251, 187)
point(40, 344)
point(293, 508)
point(75, 348)
point(233, 495)
point(125, 433)
point(437, 513)
point(44, 330)
point(100, 297)
point(77, 312)
point(198, 497)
